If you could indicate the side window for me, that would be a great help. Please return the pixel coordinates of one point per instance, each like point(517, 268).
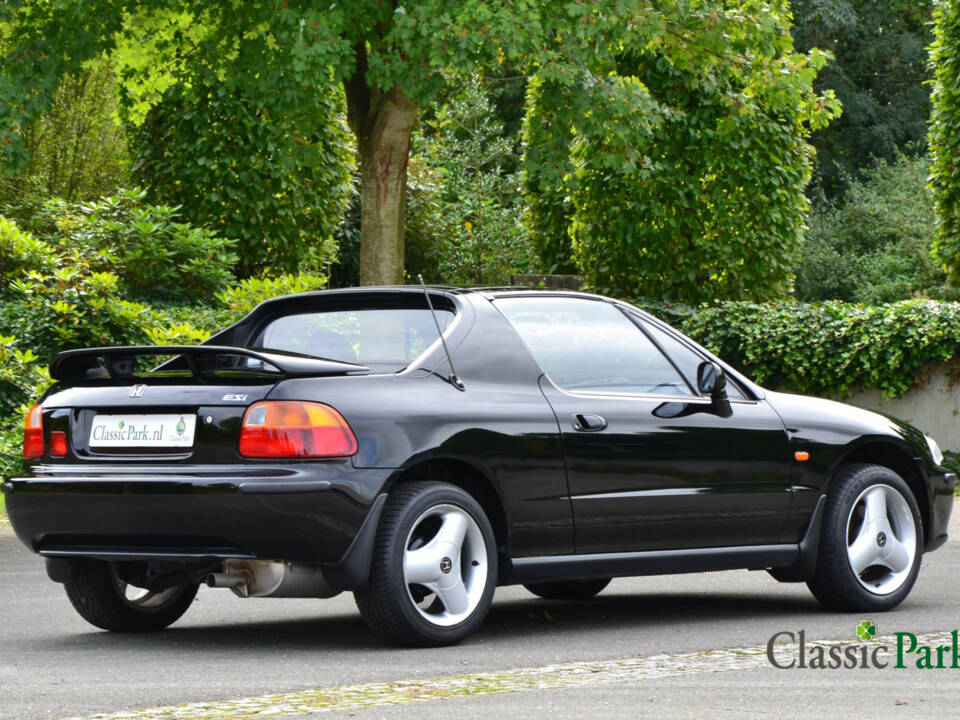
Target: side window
point(685, 358)
point(590, 346)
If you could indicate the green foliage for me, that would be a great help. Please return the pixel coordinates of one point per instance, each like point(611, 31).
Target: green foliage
point(73, 286)
point(22, 377)
point(873, 244)
point(153, 253)
point(74, 306)
point(704, 198)
point(77, 148)
point(345, 271)
point(945, 134)
point(828, 348)
point(249, 293)
point(276, 182)
point(951, 461)
point(178, 333)
point(465, 218)
point(549, 178)
point(20, 251)
point(878, 72)
point(11, 451)
point(391, 61)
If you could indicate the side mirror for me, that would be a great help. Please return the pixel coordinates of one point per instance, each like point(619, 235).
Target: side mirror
point(711, 380)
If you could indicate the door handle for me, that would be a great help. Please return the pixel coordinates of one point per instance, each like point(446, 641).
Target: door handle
point(588, 422)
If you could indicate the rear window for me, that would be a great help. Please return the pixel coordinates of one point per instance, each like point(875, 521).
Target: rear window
point(385, 340)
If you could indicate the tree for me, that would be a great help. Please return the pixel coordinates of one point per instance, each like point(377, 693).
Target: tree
point(872, 245)
point(277, 183)
point(388, 57)
point(700, 194)
point(77, 149)
point(879, 73)
point(468, 227)
point(945, 135)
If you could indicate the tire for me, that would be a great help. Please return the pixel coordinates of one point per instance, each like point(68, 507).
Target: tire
point(106, 601)
point(568, 589)
point(871, 541)
point(436, 534)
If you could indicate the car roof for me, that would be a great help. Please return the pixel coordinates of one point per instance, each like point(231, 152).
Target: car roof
point(487, 291)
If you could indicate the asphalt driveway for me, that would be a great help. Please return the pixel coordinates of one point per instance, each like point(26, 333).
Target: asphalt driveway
point(688, 645)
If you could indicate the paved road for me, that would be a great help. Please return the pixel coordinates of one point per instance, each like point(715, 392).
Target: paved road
point(53, 665)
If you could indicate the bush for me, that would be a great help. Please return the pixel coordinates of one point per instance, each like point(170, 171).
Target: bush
point(465, 211)
point(23, 378)
point(944, 136)
point(874, 244)
point(71, 307)
point(20, 251)
point(249, 293)
point(153, 254)
point(77, 148)
point(271, 171)
point(827, 348)
point(11, 448)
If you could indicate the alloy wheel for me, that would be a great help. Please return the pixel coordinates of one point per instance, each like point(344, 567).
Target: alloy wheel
point(881, 539)
point(445, 565)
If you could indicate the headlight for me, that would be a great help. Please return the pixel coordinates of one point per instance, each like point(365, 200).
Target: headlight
point(934, 450)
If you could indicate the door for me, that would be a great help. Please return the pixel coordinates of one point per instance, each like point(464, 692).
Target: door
point(651, 464)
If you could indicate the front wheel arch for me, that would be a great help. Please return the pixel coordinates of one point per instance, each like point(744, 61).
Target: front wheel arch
point(893, 458)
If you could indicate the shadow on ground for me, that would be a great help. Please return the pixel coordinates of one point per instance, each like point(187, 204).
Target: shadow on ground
point(508, 620)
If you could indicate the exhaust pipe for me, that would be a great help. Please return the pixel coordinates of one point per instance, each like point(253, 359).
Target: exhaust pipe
point(238, 582)
point(271, 578)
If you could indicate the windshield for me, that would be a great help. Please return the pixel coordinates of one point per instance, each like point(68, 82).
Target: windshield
point(385, 340)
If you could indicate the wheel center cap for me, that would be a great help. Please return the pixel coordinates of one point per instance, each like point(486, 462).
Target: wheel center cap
point(881, 539)
point(446, 565)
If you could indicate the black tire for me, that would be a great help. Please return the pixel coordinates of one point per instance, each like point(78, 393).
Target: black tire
point(388, 604)
point(568, 589)
point(835, 583)
point(100, 597)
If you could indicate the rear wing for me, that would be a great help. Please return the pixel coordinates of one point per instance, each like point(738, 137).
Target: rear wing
point(203, 361)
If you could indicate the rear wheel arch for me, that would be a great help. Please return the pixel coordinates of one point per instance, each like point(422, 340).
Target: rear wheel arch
point(472, 480)
point(899, 461)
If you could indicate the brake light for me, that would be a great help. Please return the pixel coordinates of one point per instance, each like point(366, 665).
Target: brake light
point(58, 443)
point(33, 433)
point(294, 429)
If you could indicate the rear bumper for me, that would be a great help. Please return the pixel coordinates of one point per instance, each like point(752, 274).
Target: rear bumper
point(307, 512)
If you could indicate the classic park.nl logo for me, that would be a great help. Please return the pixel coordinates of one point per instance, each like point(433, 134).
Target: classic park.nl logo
point(787, 650)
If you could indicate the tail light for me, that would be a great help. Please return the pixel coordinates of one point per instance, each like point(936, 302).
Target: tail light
point(294, 429)
point(58, 443)
point(33, 433)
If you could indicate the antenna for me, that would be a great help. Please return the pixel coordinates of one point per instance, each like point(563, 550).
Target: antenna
point(453, 379)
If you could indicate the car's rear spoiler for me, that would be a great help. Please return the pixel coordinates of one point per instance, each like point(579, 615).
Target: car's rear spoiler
point(203, 361)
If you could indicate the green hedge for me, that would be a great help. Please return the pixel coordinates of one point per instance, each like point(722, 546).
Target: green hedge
point(828, 348)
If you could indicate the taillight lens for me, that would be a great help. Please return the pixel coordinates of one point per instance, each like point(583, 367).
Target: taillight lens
point(294, 429)
point(33, 433)
point(58, 443)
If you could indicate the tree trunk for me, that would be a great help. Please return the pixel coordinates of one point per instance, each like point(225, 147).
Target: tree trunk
point(383, 123)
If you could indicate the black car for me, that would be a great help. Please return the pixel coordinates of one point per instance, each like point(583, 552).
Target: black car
point(419, 447)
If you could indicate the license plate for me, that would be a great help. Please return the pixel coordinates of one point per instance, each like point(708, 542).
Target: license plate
point(136, 431)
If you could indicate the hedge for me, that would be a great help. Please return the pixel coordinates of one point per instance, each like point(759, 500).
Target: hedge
point(828, 348)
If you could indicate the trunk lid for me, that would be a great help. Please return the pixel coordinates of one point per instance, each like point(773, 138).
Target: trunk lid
point(114, 409)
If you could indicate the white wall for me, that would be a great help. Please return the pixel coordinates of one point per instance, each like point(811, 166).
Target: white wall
point(934, 408)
